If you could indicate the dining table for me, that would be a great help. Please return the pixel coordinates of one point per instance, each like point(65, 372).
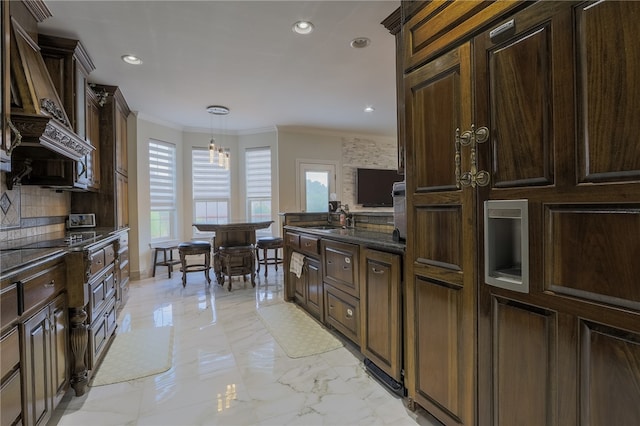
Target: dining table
point(231, 234)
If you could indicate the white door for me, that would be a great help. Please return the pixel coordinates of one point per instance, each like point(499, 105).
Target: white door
point(316, 182)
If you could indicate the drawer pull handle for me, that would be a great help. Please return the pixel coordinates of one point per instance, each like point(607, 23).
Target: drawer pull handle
point(329, 262)
point(346, 267)
point(331, 306)
point(307, 244)
point(377, 271)
point(349, 313)
point(52, 283)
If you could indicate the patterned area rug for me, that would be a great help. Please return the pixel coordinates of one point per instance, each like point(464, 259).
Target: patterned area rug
point(136, 354)
point(297, 333)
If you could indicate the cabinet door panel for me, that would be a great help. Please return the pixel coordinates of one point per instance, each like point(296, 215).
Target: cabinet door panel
point(434, 96)
point(381, 311)
point(315, 294)
point(37, 368)
point(440, 256)
point(608, 92)
point(59, 343)
point(521, 116)
point(440, 348)
point(610, 361)
point(524, 342)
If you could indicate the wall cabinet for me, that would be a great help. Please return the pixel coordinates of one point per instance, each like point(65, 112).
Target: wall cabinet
point(5, 91)
point(111, 202)
point(527, 103)
point(69, 66)
point(93, 137)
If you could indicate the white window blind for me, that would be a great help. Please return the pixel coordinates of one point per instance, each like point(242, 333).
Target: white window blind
point(211, 188)
point(162, 189)
point(258, 167)
point(258, 181)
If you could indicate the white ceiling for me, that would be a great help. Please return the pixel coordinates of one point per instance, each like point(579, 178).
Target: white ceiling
point(244, 55)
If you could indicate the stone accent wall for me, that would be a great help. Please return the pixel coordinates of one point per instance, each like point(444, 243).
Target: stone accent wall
point(26, 211)
point(365, 153)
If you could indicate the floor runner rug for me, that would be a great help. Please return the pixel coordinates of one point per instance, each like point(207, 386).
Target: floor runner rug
point(297, 333)
point(136, 354)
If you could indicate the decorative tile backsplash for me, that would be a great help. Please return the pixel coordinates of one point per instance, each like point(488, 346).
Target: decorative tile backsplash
point(366, 153)
point(30, 210)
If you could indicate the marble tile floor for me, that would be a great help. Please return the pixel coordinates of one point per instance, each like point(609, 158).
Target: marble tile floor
point(228, 370)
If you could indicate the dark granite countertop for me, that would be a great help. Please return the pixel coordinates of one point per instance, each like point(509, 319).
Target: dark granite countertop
point(379, 240)
point(21, 253)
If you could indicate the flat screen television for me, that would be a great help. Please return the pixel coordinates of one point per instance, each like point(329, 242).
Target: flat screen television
point(374, 187)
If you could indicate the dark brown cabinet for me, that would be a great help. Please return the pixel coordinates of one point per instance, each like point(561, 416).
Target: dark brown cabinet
point(5, 91)
point(526, 104)
point(10, 376)
point(340, 275)
point(69, 66)
point(34, 344)
point(45, 361)
point(93, 137)
point(556, 96)
point(381, 306)
point(441, 283)
point(308, 289)
point(111, 202)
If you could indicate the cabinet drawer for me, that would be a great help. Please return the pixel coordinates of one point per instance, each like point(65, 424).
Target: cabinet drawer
point(123, 257)
point(42, 287)
point(292, 240)
point(440, 23)
point(310, 245)
point(109, 254)
point(124, 240)
point(343, 313)
point(10, 399)
point(97, 261)
point(341, 266)
point(9, 352)
point(101, 290)
point(8, 305)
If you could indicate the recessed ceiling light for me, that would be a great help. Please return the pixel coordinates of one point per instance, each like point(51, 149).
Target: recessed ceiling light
point(360, 42)
point(302, 27)
point(132, 59)
point(369, 109)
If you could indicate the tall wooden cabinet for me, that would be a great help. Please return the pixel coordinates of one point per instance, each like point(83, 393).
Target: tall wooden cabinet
point(558, 94)
point(529, 314)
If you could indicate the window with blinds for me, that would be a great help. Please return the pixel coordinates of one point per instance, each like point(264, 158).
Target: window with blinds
point(162, 188)
point(211, 189)
point(258, 180)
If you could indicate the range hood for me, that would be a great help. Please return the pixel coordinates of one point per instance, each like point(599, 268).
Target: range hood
point(36, 110)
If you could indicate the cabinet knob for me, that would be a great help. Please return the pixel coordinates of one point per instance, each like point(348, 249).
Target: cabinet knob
point(50, 284)
point(377, 271)
point(349, 313)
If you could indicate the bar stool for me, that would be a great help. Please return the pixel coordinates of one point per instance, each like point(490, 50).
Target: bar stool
point(195, 248)
point(166, 248)
point(265, 244)
point(237, 260)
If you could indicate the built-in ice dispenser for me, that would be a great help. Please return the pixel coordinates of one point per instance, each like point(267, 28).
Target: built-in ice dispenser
point(506, 244)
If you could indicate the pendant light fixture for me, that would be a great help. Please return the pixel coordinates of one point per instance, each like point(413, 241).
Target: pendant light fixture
point(222, 153)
